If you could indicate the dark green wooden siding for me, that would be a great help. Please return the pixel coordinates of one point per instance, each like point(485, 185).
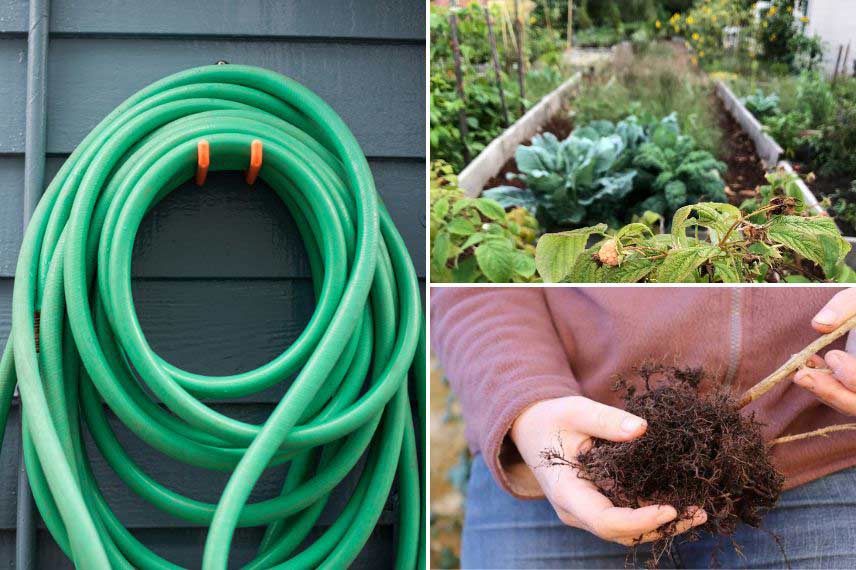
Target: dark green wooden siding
point(221, 279)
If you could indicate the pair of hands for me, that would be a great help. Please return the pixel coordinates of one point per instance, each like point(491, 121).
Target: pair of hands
point(578, 502)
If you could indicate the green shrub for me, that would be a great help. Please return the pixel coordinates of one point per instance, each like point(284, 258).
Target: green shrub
point(473, 240)
point(842, 205)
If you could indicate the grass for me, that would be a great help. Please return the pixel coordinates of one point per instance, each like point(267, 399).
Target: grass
point(658, 81)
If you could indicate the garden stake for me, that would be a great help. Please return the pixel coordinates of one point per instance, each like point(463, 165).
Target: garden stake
point(459, 78)
point(495, 57)
point(795, 362)
point(521, 55)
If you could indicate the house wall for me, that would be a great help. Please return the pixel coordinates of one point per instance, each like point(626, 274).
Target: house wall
point(835, 22)
point(221, 280)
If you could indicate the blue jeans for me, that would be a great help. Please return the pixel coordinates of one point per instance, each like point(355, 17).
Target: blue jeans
point(816, 524)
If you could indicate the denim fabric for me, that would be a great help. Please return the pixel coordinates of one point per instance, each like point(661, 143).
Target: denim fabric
point(816, 524)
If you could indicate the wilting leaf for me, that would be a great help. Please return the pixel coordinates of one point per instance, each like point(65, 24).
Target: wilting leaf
point(725, 270)
point(680, 264)
point(556, 254)
point(631, 270)
point(816, 238)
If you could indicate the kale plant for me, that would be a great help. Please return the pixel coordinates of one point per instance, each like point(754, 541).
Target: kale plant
point(676, 172)
point(609, 172)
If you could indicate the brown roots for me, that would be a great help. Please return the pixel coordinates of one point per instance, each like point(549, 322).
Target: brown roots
point(697, 451)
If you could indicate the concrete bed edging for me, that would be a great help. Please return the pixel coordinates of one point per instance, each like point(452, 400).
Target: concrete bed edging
point(483, 167)
point(768, 149)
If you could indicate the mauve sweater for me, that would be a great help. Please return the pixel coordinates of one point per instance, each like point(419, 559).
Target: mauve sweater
point(504, 349)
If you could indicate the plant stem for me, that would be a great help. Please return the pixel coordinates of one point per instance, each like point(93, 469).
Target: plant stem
point(794, 362)
point(822, 432)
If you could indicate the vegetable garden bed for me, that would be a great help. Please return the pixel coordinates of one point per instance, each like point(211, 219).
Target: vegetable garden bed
point(639, 157)
point(819, 191)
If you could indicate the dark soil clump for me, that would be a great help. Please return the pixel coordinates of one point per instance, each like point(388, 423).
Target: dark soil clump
point(697, 451)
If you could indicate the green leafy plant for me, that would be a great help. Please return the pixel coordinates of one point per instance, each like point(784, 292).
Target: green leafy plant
point(581, 178)
point(473, 239)
point(841, 204)
point(482, 105)
point(679, 173)
point(788, 129)
point(606, 172)
point(709, 242)
point(762, 105)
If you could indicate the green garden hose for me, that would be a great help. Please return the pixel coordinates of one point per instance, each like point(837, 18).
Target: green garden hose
point(350, 396)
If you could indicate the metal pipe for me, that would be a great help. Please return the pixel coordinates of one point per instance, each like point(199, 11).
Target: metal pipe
point(34, 178)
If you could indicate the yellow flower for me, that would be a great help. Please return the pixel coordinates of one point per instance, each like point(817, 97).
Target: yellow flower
point(764, 24)
point(657, 24)
point(690, 20)
point(695, 35)
point(804, 19)
point(701, 53)
point(772, 37)
point(713, 18)
point(772, 11)
point(694, 60)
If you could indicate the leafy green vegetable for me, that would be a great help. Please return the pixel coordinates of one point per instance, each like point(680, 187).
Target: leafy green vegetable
point(609, 172)
point(762, 105)
point(680, 173)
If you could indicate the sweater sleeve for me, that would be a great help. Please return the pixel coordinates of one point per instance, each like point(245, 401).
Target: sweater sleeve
point(501, 353)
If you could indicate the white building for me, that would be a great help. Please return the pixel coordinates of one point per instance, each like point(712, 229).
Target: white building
point(835, 22)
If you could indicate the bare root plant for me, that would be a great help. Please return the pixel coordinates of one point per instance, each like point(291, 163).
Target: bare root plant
point(698, 450)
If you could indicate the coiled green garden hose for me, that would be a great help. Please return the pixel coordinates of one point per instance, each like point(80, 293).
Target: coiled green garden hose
point(74, 270)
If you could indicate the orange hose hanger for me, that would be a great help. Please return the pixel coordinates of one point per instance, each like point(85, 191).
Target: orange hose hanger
point(203, 161)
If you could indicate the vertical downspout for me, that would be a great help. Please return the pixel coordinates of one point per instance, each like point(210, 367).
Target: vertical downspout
point(34, 177)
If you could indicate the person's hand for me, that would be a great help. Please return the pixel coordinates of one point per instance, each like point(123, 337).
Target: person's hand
point(833, 378)
point(578, 503)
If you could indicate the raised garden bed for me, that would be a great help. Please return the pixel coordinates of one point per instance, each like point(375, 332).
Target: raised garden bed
point(639, 146)
point(820, 187)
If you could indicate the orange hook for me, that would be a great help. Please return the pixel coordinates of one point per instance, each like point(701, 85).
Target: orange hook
point(203, 161)
point(255, 161)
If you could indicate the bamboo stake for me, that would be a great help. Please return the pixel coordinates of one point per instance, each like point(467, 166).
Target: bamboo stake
point(547, 19)
point(459, 79)
point(822, 432)
point(496, 70)
point(570, 22)
point(794, 362)
point(837, 62)
point(518, 32)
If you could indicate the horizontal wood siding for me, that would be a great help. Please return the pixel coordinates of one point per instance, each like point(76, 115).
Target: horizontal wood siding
point(221, 280)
